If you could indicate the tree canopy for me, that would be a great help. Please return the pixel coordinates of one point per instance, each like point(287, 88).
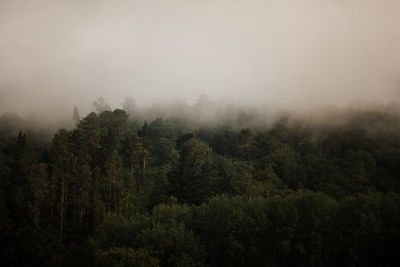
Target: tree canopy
point(113, 191)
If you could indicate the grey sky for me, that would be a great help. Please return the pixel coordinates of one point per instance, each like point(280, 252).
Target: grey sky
point(56, 54)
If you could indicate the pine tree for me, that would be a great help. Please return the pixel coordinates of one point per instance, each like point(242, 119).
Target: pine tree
point(75, 116)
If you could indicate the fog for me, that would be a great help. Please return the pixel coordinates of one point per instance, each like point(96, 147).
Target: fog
point(293, 54)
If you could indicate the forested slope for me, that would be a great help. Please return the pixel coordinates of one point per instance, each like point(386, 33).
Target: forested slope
point(115, 192)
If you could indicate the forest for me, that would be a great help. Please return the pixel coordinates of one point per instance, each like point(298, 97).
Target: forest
point(115, 190)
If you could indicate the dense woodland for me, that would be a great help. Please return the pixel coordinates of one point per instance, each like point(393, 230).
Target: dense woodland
point(116, 191)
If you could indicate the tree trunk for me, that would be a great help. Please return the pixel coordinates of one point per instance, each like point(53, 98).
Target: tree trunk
point(144, 168)
point(62, 206)
point(138, 178)
point(109, 191)
point(52, 204)
point(131, 171)
point(81, 209)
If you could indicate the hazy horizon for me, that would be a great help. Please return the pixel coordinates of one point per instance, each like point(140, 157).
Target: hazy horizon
point(292, 54)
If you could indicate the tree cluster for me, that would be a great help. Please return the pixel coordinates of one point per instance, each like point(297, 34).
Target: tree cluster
point(111, 192)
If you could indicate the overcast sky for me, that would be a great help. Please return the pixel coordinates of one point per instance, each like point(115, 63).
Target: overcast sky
point(56, 54)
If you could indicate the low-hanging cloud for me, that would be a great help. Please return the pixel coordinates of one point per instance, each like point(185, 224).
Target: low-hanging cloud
point(55, 54)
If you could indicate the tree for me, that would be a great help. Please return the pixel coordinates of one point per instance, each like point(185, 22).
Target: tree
point(135, 152)
point(145, 135)
point(189, 182)
point(129, 106)
point(61, 173)
point(113, 169)
point(99, 106)
point(75, 116)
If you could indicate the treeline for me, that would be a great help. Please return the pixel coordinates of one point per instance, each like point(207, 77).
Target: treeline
point(115, 192)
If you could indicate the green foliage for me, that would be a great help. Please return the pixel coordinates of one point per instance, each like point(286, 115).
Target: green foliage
point(188, 180)
point(172, 244)
point(116, 193)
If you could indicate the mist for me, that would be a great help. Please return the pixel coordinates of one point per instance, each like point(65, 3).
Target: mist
point(295, 55)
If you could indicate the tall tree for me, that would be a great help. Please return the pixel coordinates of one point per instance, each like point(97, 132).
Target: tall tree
point(61, 171)
point(100, 105)
point(189, 180)
point(75, 116)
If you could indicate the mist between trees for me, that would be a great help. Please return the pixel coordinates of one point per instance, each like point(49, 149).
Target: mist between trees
point(204, 113)
point(202, 185)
